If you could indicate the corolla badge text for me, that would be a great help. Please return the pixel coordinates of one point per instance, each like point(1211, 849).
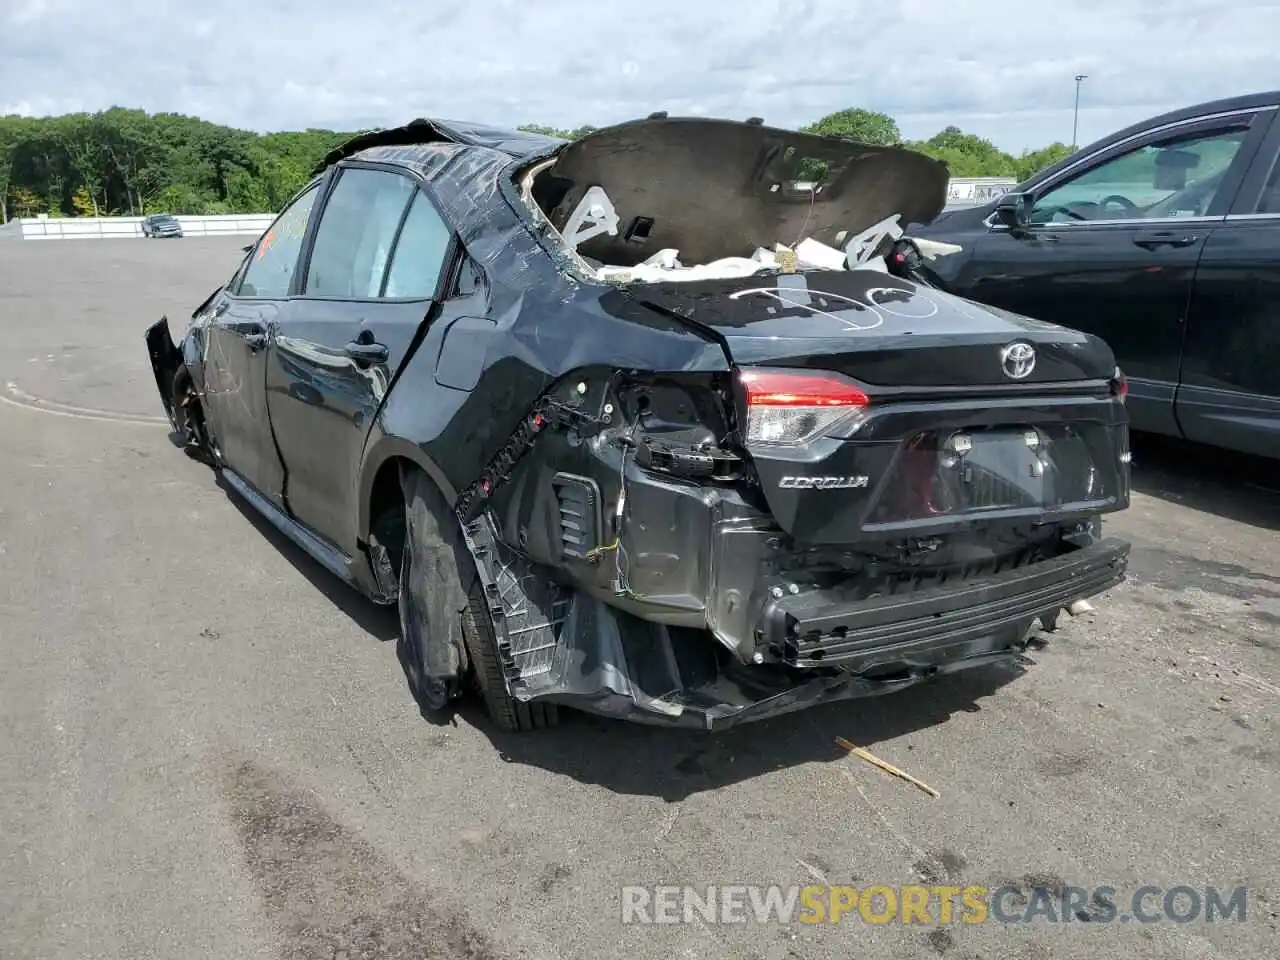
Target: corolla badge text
point(824, 483)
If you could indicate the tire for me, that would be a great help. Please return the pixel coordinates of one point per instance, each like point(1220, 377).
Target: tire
point(441, 599)
point(506, 712)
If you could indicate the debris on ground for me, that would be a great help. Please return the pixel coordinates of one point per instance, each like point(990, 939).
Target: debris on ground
point(889, 768)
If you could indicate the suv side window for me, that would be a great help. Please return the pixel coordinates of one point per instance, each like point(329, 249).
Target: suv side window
point(357, 229)
point(420, 252)
point(1178, 176)
point(273, 261)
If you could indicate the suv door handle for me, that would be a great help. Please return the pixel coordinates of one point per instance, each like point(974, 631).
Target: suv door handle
point(255, 341)
point(1152, 241)
point(366, 352)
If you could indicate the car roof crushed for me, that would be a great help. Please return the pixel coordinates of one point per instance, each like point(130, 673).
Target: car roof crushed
point(673, 198)
point(516, 144)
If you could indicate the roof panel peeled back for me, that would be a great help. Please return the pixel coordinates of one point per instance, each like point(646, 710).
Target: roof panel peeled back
point(514, 143)
point(696, 184)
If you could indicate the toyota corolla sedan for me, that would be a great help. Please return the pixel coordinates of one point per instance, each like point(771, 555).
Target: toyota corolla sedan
point(641, 424)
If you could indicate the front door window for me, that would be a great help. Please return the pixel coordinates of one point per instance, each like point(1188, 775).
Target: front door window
point(1176, 177)
point(275, 257)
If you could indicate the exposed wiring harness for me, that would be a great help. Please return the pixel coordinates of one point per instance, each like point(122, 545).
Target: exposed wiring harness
point(621, 561)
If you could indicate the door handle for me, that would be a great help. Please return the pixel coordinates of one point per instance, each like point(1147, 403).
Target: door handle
point(1155, 240)
point(255, 341)
point(366, 352)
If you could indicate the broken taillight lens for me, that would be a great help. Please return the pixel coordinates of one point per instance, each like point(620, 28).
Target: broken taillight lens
point(792, 406)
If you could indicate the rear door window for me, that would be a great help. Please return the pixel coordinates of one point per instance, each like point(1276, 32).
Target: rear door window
point(1269, 202)
point(356, 233)
point(420, 253)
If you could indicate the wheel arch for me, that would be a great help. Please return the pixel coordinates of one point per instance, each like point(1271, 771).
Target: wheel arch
point(381, 468)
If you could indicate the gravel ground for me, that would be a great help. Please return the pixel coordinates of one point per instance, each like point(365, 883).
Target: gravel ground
point(208, 749)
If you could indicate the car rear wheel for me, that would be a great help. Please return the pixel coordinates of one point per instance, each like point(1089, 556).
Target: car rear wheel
point(506, 712)
point(443, 616)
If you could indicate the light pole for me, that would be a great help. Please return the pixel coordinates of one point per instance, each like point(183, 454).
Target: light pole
point(1075, 122)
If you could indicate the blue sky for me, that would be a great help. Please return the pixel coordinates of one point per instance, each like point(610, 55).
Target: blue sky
point(1000, 69)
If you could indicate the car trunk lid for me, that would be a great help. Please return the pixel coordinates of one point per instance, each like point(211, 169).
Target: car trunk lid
point(875, 411)
point(880, 330)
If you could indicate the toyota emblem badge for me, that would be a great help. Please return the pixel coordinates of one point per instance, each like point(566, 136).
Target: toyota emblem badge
point(1018, 360)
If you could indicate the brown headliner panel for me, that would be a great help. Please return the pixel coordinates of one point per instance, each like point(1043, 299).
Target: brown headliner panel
point(705, 184)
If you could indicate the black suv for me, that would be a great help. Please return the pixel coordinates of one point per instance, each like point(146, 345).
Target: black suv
point(641, 423)
point(1164, 240)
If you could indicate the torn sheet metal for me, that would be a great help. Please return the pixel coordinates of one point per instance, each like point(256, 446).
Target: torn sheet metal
point(571, 648)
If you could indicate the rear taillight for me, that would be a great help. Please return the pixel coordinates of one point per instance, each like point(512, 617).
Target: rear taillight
point(792, 406)
point(1119, 385)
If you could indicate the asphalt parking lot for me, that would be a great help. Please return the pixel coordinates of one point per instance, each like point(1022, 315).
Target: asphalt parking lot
point(207, 747)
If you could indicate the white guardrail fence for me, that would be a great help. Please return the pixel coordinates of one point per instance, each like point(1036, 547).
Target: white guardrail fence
point(108, 228)
point(961, 192)
point(975, 191)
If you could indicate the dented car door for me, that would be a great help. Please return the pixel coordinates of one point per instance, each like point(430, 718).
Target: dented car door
point(243, 323)
point(369, 284)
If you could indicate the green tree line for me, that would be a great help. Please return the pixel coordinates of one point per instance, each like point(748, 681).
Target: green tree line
point(128, 162)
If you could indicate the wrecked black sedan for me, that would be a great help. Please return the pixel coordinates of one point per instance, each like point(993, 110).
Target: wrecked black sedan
point(642, 425)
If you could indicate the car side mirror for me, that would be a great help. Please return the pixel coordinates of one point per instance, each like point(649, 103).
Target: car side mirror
point(1014, 210)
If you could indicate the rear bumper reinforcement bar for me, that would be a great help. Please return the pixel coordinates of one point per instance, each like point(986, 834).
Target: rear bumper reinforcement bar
point(820, 628)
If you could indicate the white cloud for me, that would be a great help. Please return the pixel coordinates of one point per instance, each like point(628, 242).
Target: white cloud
point(995, 67)
point(28, 11)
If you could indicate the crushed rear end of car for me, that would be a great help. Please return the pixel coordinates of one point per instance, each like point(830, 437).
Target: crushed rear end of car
point(676, 549)
point(883, 484)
